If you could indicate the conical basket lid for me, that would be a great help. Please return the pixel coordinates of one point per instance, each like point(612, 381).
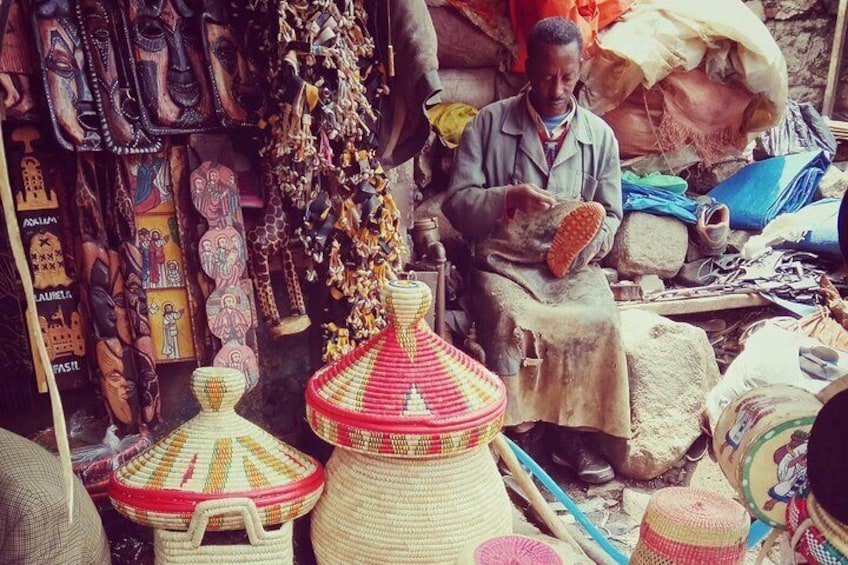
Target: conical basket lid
point(217, 454)
point(406, 392)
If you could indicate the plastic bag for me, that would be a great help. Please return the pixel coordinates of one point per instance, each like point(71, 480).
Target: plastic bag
point(801, 129)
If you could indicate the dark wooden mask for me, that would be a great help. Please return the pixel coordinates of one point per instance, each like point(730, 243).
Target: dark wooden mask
point(17, 64)
point(166, 55)
point(68, 93)
point(239, 99)
point(108, 70)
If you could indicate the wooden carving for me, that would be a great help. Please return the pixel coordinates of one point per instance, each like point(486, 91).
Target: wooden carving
point(72, 109)
point(17, 65)
point(108, 71)
point(166, 58)
point(101, 285)
point(223, 258)
point(269, 239)
point(239, 99)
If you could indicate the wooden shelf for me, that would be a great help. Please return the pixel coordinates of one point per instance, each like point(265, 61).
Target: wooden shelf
point(697, 304)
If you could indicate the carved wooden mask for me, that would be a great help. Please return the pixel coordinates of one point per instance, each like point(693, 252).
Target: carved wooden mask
point(167, 57)
point(69, 98)
point(239, 99)
point(114, 91)
point(17, 65)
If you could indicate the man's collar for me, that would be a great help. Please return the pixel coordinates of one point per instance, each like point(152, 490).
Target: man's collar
point(517, 120)
point(542, 128)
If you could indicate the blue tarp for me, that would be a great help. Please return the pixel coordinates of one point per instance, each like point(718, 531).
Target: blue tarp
point(763, 190)
point(643, 198)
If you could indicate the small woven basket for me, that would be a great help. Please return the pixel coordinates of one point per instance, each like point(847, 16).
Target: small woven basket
point(404, 511)
point(510, 550)
point(215, 455)
point(265, 547)
point(814, 534)
point(688, 526)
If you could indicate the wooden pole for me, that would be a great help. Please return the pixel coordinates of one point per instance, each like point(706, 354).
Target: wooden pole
point(58, 413)
point(552, 521)
point(835, 60)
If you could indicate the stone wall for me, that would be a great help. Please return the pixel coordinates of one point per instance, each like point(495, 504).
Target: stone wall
point(804, 30)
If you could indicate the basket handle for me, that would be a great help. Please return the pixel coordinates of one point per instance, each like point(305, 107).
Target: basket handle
point(211, 508)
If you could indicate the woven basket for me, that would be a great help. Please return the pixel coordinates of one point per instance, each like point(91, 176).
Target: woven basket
point(183, 548)
point(510, 550)
point(818, 537)
point(751, 438)
point(406, 392)
point(401, 511)
point(688, 526)
point(217, 454)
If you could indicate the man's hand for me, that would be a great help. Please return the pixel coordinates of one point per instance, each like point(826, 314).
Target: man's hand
point(528, 197)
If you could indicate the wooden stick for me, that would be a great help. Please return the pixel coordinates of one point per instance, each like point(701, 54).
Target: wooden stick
point(552, 521)
point(835, 59)
point(58, 413)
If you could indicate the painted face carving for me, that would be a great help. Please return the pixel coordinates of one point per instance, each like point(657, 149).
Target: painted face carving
point(116, 99)
point(235, 80)
point(71, 104)
point(167, 53)
point(17, 65)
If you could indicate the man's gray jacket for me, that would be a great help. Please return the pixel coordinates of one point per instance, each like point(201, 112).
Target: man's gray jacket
point(501, 146)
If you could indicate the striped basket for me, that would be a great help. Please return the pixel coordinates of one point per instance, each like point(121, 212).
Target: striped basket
point(217, 454)
point(814, 534)
point(378, 510)
point(406, 392)
point(510, 550)
point(688, 526)
point(187, 548)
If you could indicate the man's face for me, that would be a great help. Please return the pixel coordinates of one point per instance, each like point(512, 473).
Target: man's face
point(233, 77)
point(553, 71)
point(119, 106)
point(63, 64)
point(167, 49)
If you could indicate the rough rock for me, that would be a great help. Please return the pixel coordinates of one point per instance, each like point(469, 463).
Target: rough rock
point(834, 184)
point(403, 191)
point(647, 244)
point(634, 503)
point(786, 9)
point(671, 366)
point(806, 45)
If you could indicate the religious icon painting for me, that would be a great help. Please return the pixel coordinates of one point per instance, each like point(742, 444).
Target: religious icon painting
point(113, 88)
point(17, 66)
point(239, 357)
point(161, 255)
point(167, 63)
point(223, 256)
point(170, 325)
point(73, 112)
point(239, 99)
point(229, 313)
point(215, 195)
point(149, 180)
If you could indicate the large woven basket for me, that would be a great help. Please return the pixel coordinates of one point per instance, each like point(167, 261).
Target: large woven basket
point(406, 392)
point(510, 550)
point(814, 534)
point(265, 547)
point(688, 526)
point(217, 454)
point(753, 435)
point(403, 511)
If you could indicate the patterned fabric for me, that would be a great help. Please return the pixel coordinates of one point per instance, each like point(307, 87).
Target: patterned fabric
point(34, 528)
point(807, 539)
point(406, 391)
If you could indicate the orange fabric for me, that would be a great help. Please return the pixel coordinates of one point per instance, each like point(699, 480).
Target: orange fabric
point(591, 16)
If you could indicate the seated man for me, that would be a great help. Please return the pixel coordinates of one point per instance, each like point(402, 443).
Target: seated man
point(532, 169)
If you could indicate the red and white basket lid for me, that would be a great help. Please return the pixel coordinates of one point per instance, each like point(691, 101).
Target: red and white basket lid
point(406, 392)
